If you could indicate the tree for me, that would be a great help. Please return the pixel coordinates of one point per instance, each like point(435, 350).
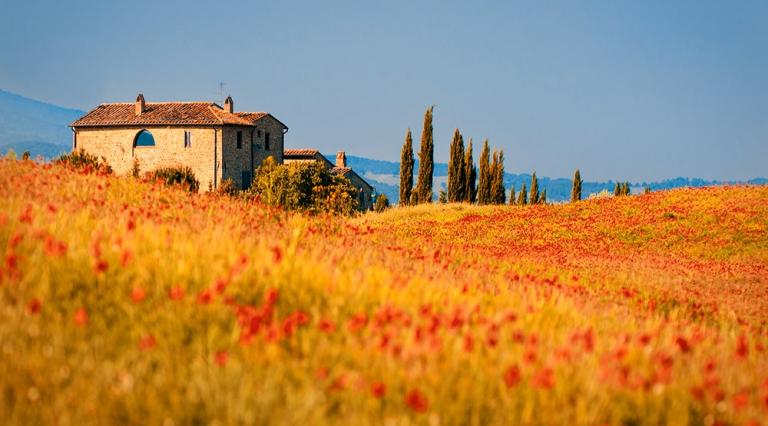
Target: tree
point(470, 174)
point(576, 189)
point(309, 187)
point(406, 170)
point(382, 203)
point(498, 193)
point(484, 181)
point(456, 169)
point(512, 200)
point(534, 197)
point(426, 162)
point(522, 199)
point(617, 190)
point(543, 198)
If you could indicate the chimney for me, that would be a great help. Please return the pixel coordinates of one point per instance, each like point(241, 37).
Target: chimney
point(341, 159)
point(141, 106)
point(229, 106)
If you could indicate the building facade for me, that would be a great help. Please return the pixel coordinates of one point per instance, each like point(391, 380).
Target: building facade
point(216, 142)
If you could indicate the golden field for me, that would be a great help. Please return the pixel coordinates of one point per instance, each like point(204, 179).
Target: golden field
point(128, 302)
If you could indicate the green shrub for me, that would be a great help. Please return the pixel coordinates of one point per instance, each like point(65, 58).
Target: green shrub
point(382, 203)
point(227, 187)
point(306, 187)
point(178, 175)
point(84, 161)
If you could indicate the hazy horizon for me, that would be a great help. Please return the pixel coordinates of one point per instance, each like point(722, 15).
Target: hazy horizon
point(621, 90)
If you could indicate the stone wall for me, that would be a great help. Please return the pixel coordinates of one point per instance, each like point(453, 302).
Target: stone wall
point(264, 126)
point(236, 162)
point(115, 144)
point(364, 192)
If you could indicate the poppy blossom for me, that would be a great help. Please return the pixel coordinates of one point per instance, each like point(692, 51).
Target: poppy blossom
point(147, 342)
point(544, 379)
point(378, 389)
point(221, 357)
point(34, 306)
point(512, 376)
point(138, 294)
point(81, 317)
point(417, 401)
point(176, 293)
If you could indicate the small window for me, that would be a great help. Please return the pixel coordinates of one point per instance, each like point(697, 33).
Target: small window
point(187, 139)
point(144, 138)
point(266, 141)
point(258, 132)
point(239, 140)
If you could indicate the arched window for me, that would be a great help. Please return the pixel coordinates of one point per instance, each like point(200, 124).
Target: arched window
point(144, 138)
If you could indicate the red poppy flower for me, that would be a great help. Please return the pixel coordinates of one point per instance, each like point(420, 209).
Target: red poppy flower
point(137, 294)
point(205, 297)
point(221, 358)
point(34, 306)
point(176, 293)
point(512, 376)
point(544, 379)
point(740, 400)
point(81, 317)
point(378, 389)
point(742, 347)
point(326, 326)
point(147, 342)
point(417, 401)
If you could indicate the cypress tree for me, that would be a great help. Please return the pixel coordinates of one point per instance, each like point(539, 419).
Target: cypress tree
point(576, 189)
point(534, 189)
point(470, 173)
point(501, 194)
point(522, 198)
point(456, 169)
point(512, 200)
point(492, 196)
point(617, 190)
point(406, 170)
point(426, 161)
point(484, 180)
point(543, 199)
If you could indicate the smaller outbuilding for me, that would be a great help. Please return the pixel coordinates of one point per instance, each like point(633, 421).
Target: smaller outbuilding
point(364, 189)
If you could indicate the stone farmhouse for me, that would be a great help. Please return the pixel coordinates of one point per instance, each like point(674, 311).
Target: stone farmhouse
point(216, 143)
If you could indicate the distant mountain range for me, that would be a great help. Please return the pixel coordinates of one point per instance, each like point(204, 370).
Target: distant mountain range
point(41, 129)
point(34, 126)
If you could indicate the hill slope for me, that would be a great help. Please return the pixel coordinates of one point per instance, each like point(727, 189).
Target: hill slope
point(143, 304)
point(34, 125)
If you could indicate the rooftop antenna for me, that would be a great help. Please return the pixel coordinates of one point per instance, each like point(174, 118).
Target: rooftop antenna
point(221, 89)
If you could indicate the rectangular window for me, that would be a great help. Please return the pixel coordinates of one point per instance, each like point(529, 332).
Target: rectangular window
point(187, 139)
point(266, 141)
point(258, 132)
point(246, 179)
point(239, 140)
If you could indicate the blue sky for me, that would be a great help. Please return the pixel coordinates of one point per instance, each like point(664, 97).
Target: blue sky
point(621, 89)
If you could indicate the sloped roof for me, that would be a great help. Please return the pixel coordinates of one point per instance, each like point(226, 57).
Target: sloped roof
point(345, 171)
point(300, 153)
point(166, 114)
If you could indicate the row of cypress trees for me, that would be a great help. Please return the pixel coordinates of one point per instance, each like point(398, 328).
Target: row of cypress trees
point(422, 193)
point(462, 174)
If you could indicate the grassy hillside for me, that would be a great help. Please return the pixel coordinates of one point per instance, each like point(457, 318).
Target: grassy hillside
point(126, 302)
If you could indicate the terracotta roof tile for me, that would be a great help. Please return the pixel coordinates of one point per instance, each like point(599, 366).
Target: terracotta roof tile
point(300, 152)
point(161, 113)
